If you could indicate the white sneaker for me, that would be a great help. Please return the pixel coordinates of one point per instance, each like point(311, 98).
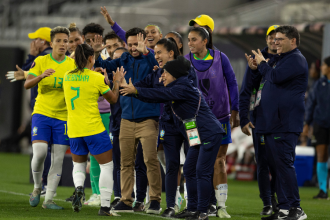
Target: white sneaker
point(96, 201)
point(222, 212)
point(91, 199)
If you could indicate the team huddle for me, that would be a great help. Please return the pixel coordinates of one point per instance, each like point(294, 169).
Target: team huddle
point(164, 106)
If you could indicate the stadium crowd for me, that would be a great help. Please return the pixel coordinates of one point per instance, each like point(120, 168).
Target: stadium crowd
point(170, 109)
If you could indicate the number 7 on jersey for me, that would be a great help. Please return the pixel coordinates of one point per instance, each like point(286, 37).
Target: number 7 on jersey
point(77, 96)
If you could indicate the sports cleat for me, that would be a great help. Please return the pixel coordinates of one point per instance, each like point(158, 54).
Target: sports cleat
point(78, 199)
point(274, 203)
point(146, 206)
point(321, 195)
point(96, 201)
point(35, 197)
point(154, 208)
point(278, 215)
point(106, 211)
point(122, 207)
point(184, 214)
point(222, 212)
point(114, 202)
point(71, 197)
point(51, 205)
point(203, 216)
point(91, 199)
point(212, 210)
point(296, 213)
point(267, 210)
point(168, 213)
point(177, 206)
point(138, 206)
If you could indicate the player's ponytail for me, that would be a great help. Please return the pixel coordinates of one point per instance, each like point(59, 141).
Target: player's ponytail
point(83, 51)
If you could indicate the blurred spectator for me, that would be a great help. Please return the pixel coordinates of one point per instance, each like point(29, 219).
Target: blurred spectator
point(318, 113)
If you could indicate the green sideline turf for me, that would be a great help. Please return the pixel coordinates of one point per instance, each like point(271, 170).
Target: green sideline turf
point(243, 201)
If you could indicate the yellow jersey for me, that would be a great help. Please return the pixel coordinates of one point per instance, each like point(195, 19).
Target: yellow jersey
point(50, 100)
point(81, 91)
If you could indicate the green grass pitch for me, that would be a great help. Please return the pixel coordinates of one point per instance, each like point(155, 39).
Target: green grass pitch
point(243, 200)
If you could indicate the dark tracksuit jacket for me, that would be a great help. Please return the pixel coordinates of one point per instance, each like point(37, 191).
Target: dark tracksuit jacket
point(249, 84)
point(280, 117)
point(198, 168)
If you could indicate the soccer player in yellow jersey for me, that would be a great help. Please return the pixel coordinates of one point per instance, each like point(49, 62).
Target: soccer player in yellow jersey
point(82, 88)
point(50, 115)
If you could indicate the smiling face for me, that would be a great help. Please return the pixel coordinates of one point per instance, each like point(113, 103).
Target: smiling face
point(153, 36)
point(162, 55)
point(167, 78)
point(195, 42)
point(283, 43)
point(270, 42)
point(60, 43)
point(132, 43)
point(112, 45)
point(74, 40)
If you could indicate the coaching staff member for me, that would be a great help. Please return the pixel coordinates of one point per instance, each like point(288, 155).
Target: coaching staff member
point(280, 116)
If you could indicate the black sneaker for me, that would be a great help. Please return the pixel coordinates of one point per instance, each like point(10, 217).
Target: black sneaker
point(321, 195)
point(169, 213)
point(296, 213)
point(154, 208)
point(114, 202)
point(78, 199)
point(105, 211)
point(184, 213)
point(195, 216)
point(267, 210)
point(203, 216)
point(212, 210)
point(138, 207)
point(274, 203)
point(276, 216)
point(122, 207)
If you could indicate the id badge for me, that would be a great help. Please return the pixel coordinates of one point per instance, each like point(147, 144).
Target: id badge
point(258, 98)
point(192, 131)
point(253, 100)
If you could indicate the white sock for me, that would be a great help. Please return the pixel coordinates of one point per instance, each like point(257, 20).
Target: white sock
point(284, 211)
point(185, 193)
point(106, 183)
point(79, 173)
point(161, 158)
point(147, 195)
point(177, 195)
point(135, 186)
point(55, 171)
point(37, 163)
point(221, 194)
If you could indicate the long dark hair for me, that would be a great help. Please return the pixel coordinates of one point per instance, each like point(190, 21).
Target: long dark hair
point(82, 52)
point(169, 44)
point(205, 34)
point(177, 35)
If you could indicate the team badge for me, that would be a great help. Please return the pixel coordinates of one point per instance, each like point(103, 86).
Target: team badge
point(162, 133)
point(199, 16)
point(35, 130)
point(262, 139)
point(111, 138)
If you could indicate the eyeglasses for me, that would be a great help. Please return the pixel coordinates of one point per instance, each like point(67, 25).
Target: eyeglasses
point(279, 39)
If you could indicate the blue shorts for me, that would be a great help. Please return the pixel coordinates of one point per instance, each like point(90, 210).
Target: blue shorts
point(95, 144)
point(48, 129)
point(226, 139)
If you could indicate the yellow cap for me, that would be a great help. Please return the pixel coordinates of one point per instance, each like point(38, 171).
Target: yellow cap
point(271, 28)
point(203, 20)
point(42, 33)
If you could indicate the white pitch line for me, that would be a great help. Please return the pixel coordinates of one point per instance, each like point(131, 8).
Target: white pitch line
point(138, 213)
